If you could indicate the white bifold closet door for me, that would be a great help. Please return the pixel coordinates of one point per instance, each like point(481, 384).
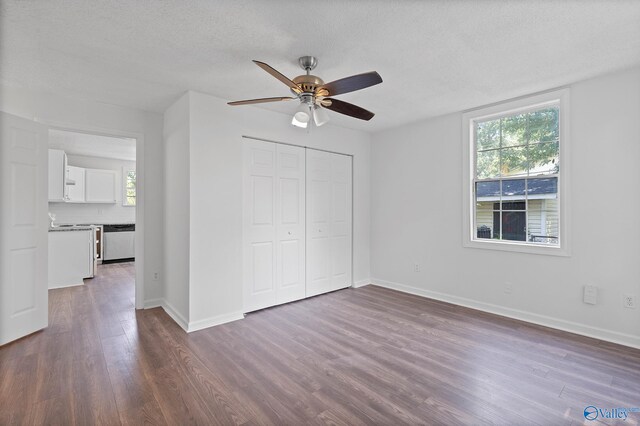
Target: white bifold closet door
point(329, 222)
point(274, 224)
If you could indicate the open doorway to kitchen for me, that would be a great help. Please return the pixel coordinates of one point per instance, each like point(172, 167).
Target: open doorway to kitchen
point(93, 201)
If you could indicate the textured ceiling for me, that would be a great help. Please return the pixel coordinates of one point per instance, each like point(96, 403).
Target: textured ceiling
point(435, 56)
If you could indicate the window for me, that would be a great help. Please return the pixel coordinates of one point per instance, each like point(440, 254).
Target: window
point(129, 190)
point(516, 174)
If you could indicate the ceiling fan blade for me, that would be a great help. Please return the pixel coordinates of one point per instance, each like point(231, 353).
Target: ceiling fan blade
point(290, 84)
point(260, 100)
point(348, 109)
point(350, 84)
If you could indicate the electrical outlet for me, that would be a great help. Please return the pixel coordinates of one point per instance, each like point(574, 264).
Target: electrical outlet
point(416, 267)
point(629, 301)
point(590, 294)
point(508, 288)
point(155, 276)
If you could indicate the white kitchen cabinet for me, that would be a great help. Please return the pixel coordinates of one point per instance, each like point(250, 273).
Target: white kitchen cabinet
point(57, 175)
point(75, 192)
point(100, 186)
point(71, 254)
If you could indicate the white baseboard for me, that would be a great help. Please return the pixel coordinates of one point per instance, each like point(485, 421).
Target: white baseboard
point(361, 283)
point(557, 323)
point(213, 321)
point(67, 285)
point(175, 315)
point(152, 303)
point(194, 325)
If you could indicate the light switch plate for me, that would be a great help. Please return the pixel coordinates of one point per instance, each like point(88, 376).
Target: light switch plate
point(590, 294)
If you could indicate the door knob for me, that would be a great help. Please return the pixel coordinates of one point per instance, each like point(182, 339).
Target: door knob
point(289, 232)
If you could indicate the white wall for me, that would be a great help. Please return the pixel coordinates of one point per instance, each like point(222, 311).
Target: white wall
point(97, 213)
point(176, 203)
point(97, 117)
point(215, 199)
point(416, 209)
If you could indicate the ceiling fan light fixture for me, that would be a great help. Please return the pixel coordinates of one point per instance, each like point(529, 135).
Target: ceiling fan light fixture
point(320, 116)
point(301, 117)
point(299, 123)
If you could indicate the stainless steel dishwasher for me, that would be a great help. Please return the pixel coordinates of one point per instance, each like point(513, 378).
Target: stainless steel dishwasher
point(119, 242)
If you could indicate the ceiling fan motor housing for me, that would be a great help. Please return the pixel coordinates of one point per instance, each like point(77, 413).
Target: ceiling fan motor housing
point(308, 83)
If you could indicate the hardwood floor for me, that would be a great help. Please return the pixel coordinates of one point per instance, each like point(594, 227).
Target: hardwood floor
point(357, 357)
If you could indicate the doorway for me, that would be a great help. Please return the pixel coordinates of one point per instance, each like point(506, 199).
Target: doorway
point(93, 191)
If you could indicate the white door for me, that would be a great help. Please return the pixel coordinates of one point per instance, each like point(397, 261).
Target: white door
point(23, 227)
point(329, 222)
point(274, 224)
point(259, 224)
point(290, 223)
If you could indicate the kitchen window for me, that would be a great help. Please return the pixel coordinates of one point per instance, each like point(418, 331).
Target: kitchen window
point(129, 190)
point(517, 173)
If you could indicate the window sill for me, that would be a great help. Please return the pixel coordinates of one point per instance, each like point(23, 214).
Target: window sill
point(516, 247)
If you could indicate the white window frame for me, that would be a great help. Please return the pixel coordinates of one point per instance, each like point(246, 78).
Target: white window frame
point(558, 97)
point(125, 172)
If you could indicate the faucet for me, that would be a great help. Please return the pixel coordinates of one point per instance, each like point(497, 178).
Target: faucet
point(52, 216)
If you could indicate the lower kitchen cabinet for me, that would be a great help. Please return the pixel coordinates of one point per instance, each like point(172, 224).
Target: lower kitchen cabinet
point(71, 257)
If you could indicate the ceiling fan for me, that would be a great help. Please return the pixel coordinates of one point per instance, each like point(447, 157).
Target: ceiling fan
point(315, 95)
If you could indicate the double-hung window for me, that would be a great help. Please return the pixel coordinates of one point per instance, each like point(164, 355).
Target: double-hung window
point(516, 171)
point(129, 187)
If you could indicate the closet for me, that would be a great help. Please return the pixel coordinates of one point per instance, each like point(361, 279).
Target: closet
point(297, 223)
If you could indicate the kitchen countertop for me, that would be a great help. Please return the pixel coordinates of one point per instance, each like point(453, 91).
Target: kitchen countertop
point(71, 228)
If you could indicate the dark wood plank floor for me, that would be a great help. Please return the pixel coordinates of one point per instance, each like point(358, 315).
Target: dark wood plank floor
point(356, 357)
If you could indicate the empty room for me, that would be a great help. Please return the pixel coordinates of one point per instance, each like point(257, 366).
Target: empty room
point(334, 212)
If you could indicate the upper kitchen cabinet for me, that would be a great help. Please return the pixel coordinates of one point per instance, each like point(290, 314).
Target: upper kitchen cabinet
point(75, 191)
point(57, 175)
point(100, 186)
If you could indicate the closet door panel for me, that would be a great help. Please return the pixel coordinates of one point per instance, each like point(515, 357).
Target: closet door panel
point(341, 221)
point(290, 218)
point(259, 229)
point(297, 219)
point(291, 264)
point(329, 222)
point(318, 222)
point(262, 257)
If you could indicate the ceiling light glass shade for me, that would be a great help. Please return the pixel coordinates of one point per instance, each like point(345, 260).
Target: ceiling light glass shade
point(301, 117)
point(320, 116)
